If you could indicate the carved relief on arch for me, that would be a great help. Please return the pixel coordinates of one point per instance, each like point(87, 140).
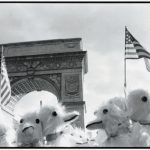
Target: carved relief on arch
point(72, 86)
point(27, 85)
point(30, 66)
point(55, 80)
point(14, 79)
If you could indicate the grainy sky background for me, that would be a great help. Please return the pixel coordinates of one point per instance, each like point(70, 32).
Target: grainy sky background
point(101, 27)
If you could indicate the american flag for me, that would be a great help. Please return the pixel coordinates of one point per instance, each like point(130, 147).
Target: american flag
point(5, 84)
point(133, 49)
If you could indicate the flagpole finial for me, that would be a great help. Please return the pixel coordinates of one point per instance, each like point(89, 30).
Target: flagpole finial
point(2, 53)
point(126, 29)
point(41, 104)
point(2, 49)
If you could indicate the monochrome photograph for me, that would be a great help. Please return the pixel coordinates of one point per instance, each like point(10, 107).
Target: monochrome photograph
point(74, 74)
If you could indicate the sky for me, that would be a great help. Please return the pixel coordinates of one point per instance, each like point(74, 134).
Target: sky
point(102, 29)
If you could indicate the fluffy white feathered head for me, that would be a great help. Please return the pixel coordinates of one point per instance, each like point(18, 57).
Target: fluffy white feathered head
point(111, 118)
point(54, 117)
point(138, 103)
point(29, 131)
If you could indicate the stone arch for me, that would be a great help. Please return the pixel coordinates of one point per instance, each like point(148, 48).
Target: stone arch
point(26, 85)
point(61, 63)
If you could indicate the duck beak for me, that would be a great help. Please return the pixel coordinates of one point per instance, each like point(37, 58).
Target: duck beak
point(95, 124)
point(71, 117)
point(28, 128)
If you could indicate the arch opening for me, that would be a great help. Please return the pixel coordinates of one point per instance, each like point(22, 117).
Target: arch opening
point(32, 102)
point(26, 86)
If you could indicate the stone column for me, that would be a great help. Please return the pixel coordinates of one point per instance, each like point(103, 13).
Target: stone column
point(72, 94)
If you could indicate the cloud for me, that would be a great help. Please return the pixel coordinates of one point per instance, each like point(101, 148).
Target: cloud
point(101, 26)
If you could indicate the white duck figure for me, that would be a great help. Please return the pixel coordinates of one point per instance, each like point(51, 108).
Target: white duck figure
point(29, 131)
point(115, 123)
point(138, 104)
point(54, 120)
point(120, 130)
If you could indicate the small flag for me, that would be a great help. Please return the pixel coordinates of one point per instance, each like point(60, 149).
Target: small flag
point(133, 49)
point(5, 84)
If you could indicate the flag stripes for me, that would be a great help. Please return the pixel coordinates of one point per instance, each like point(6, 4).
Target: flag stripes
point(143, 53)
point(133, 49)
point(4, 90)
point(5, 84)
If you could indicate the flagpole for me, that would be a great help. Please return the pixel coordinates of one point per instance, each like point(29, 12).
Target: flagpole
point(1, 57)
point(1, 70)
point(40, 104)
point(125, 80)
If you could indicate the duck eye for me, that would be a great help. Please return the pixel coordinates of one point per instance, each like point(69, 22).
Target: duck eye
point(144, 99)
point(105, 111)
point(21, 121)
point(54, 113)
point(37, 121)
point(119, 124)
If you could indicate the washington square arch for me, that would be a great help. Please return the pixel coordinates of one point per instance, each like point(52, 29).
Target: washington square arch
point(57, 66)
